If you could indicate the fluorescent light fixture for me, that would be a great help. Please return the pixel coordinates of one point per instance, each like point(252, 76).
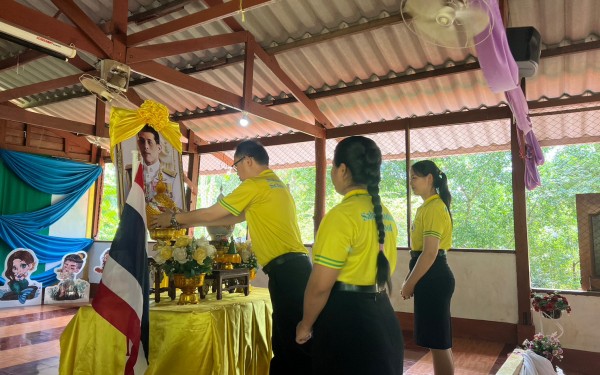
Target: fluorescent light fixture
point(244, 120)
point(36, 42)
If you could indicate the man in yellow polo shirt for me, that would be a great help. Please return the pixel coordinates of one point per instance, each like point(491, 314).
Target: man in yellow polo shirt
point(266, 203)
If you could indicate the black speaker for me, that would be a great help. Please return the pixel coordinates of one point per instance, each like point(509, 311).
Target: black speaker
point(525, 45)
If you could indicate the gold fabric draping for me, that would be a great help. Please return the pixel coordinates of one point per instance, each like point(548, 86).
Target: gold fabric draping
point(126, 123)
point(230, 336)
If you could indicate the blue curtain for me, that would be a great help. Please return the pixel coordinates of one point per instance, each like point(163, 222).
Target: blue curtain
point(52, 176)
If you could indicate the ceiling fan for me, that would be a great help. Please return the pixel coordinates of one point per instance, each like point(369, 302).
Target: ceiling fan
point(112, 83)
point(448, 23)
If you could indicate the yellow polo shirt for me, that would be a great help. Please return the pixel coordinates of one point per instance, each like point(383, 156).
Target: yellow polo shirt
point(271, 215)
point(432, 220)
point(347, 239)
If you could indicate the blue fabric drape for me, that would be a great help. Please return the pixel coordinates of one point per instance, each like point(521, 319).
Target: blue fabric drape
point(52, 176)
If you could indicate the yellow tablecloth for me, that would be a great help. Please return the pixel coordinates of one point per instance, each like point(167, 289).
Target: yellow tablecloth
point(230, 336)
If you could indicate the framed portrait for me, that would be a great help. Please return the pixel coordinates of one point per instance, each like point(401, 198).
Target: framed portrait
point(162, 170)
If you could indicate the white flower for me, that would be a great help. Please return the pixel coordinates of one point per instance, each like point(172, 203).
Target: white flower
point(211, 251)
point(180, 255)
point(158, 259)
point(245, 254)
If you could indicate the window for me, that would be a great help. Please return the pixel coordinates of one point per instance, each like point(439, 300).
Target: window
point(552, 214)
point(109, 210)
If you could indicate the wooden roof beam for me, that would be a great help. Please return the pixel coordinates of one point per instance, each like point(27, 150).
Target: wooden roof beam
point(45, 121)
point(85, 24)
point(40, 87)
point(274, 66)
point(20, 59)
point(39, 23)
point(159, 11)
point(164, 74)
point(154, 51)
point(220, 11)
point(229, 21)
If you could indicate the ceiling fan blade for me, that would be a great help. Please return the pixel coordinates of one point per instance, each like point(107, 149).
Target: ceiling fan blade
point(423, 9)
point(474, 20)
point(445, 36)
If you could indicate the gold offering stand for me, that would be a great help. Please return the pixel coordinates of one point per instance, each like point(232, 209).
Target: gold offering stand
point(224, 276)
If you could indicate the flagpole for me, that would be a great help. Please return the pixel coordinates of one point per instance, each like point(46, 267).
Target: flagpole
point(135, 164)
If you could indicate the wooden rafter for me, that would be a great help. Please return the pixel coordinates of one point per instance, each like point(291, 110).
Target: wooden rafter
point(248, 82)
point(154, 51)
point(40, 87)
point(207, 15)
point(159, 11)
point(85, 24)
point(273, 65)
point(45, 121)
point(39, 23)
point(20, 59)
point(162, 73)
point(487, 114)
point(229, 21)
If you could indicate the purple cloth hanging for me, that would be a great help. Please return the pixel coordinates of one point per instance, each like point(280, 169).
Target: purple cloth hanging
point(502, 74)
point(497, 62)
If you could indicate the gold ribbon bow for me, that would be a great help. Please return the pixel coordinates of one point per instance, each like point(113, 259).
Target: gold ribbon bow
point(126, 123)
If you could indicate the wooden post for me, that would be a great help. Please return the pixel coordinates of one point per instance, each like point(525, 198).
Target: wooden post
point(525, 328)
point(98, 193)
point(320, 181)
point(408, 192)
point(193, 173)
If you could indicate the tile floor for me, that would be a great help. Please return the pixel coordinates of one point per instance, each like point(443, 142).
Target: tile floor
point(29, 344)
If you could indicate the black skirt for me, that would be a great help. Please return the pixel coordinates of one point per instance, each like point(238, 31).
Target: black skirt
point(357, 333)
point(432, 297)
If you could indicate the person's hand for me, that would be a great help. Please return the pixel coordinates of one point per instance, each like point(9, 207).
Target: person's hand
point(161, 221)
point(407, 290)
point(303, 334)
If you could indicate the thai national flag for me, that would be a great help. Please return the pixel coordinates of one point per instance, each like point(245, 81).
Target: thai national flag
point(122, 297)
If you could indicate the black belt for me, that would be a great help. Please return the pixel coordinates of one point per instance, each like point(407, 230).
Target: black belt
point(280, 260)
point(343, 287)
point(416, 254)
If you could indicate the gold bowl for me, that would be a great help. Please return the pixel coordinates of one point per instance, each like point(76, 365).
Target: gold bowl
point(226, 261)
point(166, 234)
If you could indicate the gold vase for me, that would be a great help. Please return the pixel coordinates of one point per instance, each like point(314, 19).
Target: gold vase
point(189, 288)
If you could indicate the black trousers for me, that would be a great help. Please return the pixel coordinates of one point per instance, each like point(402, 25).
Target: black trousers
point(287, 283)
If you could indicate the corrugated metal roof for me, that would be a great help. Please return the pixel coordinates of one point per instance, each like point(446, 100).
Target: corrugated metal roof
point(328, 64)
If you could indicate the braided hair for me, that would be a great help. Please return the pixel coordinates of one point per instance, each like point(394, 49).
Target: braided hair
point(424, 168)
point(363, 158)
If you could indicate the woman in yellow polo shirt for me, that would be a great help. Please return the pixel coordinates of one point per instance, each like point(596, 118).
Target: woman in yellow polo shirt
point(347, 312)
point(430, 279)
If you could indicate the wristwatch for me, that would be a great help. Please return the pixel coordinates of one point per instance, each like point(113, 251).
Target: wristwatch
point(174, 223)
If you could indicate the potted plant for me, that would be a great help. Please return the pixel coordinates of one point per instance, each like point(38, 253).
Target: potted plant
point(186, 260)
point(551, 304)
point(547, 346)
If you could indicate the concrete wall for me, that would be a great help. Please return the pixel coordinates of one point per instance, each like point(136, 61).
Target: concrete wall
point(486, 289)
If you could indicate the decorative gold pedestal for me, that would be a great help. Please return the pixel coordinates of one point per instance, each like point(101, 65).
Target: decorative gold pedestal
point(226, 261)
point(166, 234)
point(189, 288)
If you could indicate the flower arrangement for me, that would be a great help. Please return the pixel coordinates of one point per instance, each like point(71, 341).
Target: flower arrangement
point(186, 255)
point(549, 303)
point(248, 257)
point(544, 345)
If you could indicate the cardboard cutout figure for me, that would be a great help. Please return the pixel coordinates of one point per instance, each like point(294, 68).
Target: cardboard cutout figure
point(69, 289)
point(19, 288)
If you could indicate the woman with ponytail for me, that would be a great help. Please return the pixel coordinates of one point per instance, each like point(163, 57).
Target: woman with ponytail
point(430, 279)
point(347, 311)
